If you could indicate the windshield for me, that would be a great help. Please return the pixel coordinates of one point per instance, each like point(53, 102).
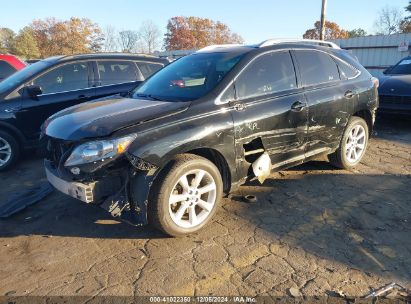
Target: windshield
point(402, 68)
point(188, 78)
point(21, 76)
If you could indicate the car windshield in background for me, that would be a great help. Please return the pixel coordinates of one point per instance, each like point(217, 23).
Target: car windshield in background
point(402, 68)
point(189, 78)
point(21, 76)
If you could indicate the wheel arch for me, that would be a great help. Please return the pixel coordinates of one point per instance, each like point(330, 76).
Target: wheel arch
point(368, 117)
point(213, 156)
point(219, 161)
point(13, 131)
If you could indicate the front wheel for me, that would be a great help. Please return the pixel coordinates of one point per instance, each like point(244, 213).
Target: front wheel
point(185, 197)
point(353, 144)
point(9, 151)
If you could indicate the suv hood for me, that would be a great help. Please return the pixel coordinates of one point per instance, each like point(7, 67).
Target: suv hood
point(102, 118)
point(395, 85)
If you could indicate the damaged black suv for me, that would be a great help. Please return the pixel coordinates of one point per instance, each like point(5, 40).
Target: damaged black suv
point(206, 123)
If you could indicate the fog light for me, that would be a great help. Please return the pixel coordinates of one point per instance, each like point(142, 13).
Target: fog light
point(75, 170)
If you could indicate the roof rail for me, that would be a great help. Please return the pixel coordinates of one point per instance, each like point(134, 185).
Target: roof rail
point(107, 53)
point(218, 46)
point(303, 41)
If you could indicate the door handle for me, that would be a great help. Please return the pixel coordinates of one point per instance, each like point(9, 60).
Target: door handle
point(349, 94)
point(298, 106)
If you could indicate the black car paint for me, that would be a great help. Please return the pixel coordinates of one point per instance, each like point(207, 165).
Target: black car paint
point(222, 131)
point(395, 92)
point(22, 115)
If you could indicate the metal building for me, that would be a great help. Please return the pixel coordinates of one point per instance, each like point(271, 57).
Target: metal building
point(377, 53)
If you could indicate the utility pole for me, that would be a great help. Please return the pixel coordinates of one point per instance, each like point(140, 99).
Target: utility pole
point(323, 10)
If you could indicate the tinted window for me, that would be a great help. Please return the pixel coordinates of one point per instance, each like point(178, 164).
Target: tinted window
point(112, 72)
point(402, 68)
point(5, 69)
point(148, 69)
point(270, 73)
point(69, 77)
point(23, 75)
point(316, 67)
point(346, 70)
point(190, 77)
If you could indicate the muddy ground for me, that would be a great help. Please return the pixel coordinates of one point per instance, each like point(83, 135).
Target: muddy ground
point(314, 229)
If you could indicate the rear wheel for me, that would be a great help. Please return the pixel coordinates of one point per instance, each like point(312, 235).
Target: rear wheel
point(185, 197)
point(9, 151)
point(353, 144)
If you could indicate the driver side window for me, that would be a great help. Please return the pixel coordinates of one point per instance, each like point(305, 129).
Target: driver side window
point(269, 73)
point(69, 77)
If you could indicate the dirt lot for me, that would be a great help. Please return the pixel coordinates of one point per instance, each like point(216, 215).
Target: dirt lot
point(314, 228)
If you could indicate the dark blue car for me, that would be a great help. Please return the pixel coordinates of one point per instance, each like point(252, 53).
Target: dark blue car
point(395, 88)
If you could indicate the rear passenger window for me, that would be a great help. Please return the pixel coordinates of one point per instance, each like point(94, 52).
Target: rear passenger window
point(148, 69)
point(346, 70)
point(316, 67)
point(5, 69)
point(114, 72)
point(270, 73)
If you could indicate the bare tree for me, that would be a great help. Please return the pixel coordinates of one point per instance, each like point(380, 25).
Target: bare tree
point(149, 37)
point(388, 21)
point(110, 39)
point(128, 41)
point(6, 39)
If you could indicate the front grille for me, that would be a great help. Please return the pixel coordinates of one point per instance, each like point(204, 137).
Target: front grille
point(388, 99)
point(58, 151)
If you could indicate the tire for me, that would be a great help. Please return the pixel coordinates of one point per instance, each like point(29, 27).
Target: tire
point(175, 210)
point(9, 151)
point(352, 146)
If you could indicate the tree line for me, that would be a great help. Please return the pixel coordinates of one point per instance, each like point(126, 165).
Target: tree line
point(390, 20)
point(49, 37)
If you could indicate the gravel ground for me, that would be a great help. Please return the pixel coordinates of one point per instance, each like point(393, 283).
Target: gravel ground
point(313, 231)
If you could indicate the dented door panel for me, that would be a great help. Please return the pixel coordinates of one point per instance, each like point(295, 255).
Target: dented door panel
point(271, 122)
point(327, 116)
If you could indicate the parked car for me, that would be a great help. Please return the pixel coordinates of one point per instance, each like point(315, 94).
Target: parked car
point(205, 124)
point(9, 64)
point(30, 96)
point(395, 88)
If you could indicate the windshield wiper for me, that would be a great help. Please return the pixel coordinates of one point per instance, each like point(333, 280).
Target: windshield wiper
point(150, 96)
point(153, 97)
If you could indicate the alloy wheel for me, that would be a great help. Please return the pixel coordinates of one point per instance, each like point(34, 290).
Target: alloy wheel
point(355, 144)
point(5, 151)
point(192, 198)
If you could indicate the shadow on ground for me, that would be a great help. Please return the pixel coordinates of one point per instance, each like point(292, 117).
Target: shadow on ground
point(360, 220)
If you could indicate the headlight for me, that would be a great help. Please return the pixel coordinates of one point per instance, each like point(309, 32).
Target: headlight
point(99, 150)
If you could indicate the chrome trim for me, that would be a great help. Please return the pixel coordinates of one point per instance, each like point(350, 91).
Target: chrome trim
point(218, 99)
point(270, 42)
point(77, 190)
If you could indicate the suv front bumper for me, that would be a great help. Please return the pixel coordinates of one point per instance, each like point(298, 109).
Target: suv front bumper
point(124, 198)
point(83, 192)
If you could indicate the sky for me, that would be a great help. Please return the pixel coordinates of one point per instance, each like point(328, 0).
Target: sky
point(255, 20)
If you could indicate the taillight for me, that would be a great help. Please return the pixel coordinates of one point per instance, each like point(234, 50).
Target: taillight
point(375, 81)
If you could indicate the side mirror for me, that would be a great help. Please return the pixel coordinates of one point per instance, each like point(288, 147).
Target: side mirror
point(33, 91)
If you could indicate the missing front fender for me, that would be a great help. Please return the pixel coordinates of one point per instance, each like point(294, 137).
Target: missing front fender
point(129, 204)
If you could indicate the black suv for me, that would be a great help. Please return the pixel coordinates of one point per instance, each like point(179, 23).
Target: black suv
point(205, 124)
point(30, 96)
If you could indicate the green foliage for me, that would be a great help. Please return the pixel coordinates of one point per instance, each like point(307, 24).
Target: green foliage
point(359, 32)
point(24, 44)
